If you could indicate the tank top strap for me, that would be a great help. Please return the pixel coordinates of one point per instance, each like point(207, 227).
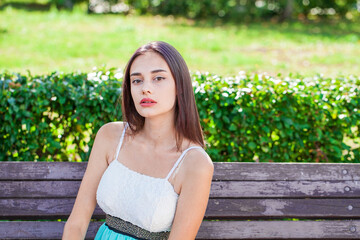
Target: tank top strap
point(179, 160)
point(121, 141)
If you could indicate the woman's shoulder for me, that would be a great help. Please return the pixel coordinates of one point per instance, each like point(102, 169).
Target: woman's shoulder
point(110, 133)
point(111, 129)
point(197, 169)
point(198, 161)
point(108, 136)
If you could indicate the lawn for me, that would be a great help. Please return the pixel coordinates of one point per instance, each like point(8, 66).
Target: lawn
point(43, 42)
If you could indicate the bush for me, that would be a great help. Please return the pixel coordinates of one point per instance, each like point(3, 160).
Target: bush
point(244, 118)
point(53, 117)
point(261, 118)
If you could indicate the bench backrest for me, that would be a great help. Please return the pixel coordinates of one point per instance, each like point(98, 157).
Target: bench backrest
point(324, 199)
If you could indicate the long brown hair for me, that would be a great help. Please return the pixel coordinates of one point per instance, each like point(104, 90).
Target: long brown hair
point(186, 121)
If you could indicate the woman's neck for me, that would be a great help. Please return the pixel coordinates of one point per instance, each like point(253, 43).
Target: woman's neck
point(159, 134)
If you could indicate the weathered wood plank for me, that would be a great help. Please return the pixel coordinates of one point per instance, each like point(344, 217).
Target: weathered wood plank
point(40, 208)
point(223, 189)
point(283, 208)
point(223, 171)
point(285, 189)
point(44, 189)
point(40, 230)
point(286, 171)
point(208, 230)
point(279, 230)
point(42, 170)
point(217, 208)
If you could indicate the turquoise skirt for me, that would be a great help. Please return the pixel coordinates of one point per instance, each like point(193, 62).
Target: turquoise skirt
point(105, 233)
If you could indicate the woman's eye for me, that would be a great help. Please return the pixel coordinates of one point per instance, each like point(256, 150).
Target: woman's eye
point(159, 78)
point(136, 81)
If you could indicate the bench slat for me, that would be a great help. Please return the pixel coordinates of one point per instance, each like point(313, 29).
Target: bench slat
point(287, 171)
point(42, 170)
point(40, 208)
point(44, 189)
point(209, 230)
point(40, 230)
point(283, 208)
point(280, 230)
point(285, 189)
point(223, 171)
point(224, 189)
point(217, 208)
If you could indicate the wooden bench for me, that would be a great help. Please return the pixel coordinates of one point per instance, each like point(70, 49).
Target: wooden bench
point(247, 201)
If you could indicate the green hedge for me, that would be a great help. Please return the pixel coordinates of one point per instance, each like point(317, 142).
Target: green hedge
point(280, 119)
point(244, 118)
point(55, 117)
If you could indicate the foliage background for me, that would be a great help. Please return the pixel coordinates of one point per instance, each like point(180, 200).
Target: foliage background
point(244, 118)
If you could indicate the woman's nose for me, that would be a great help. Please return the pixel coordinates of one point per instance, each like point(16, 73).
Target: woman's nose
point(144, 91)
point(146, 88)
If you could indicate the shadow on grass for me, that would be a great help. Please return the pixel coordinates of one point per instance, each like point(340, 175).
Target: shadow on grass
point(3, 31)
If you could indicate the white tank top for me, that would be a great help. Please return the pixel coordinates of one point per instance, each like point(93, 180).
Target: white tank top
point(145, 201)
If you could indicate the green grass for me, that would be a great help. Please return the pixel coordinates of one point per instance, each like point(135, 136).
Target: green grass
point(43, 42)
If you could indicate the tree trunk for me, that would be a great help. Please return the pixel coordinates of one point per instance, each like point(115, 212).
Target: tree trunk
point(288, 11)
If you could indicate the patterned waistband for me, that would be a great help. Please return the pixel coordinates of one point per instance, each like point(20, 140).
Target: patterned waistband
point(132, 230)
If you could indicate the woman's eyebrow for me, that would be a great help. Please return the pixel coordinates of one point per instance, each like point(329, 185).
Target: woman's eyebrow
point(158, 70)
point(135, 74)
point(153, 71)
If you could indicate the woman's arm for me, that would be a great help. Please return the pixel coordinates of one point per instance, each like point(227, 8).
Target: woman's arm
point(85, 203)
point(198, 171)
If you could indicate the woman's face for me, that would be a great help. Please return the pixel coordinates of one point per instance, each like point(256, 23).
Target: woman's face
point(152, 86)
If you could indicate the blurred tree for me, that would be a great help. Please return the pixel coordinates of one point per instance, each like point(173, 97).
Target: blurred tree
point(288, 12)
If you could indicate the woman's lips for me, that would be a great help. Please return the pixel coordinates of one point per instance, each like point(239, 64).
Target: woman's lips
point(147, 100)
point(147, 104)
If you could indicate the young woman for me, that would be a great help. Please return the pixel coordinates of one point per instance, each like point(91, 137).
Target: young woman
point(149, 174)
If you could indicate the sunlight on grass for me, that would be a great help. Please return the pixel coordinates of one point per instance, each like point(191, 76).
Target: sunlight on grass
point(48, 41)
